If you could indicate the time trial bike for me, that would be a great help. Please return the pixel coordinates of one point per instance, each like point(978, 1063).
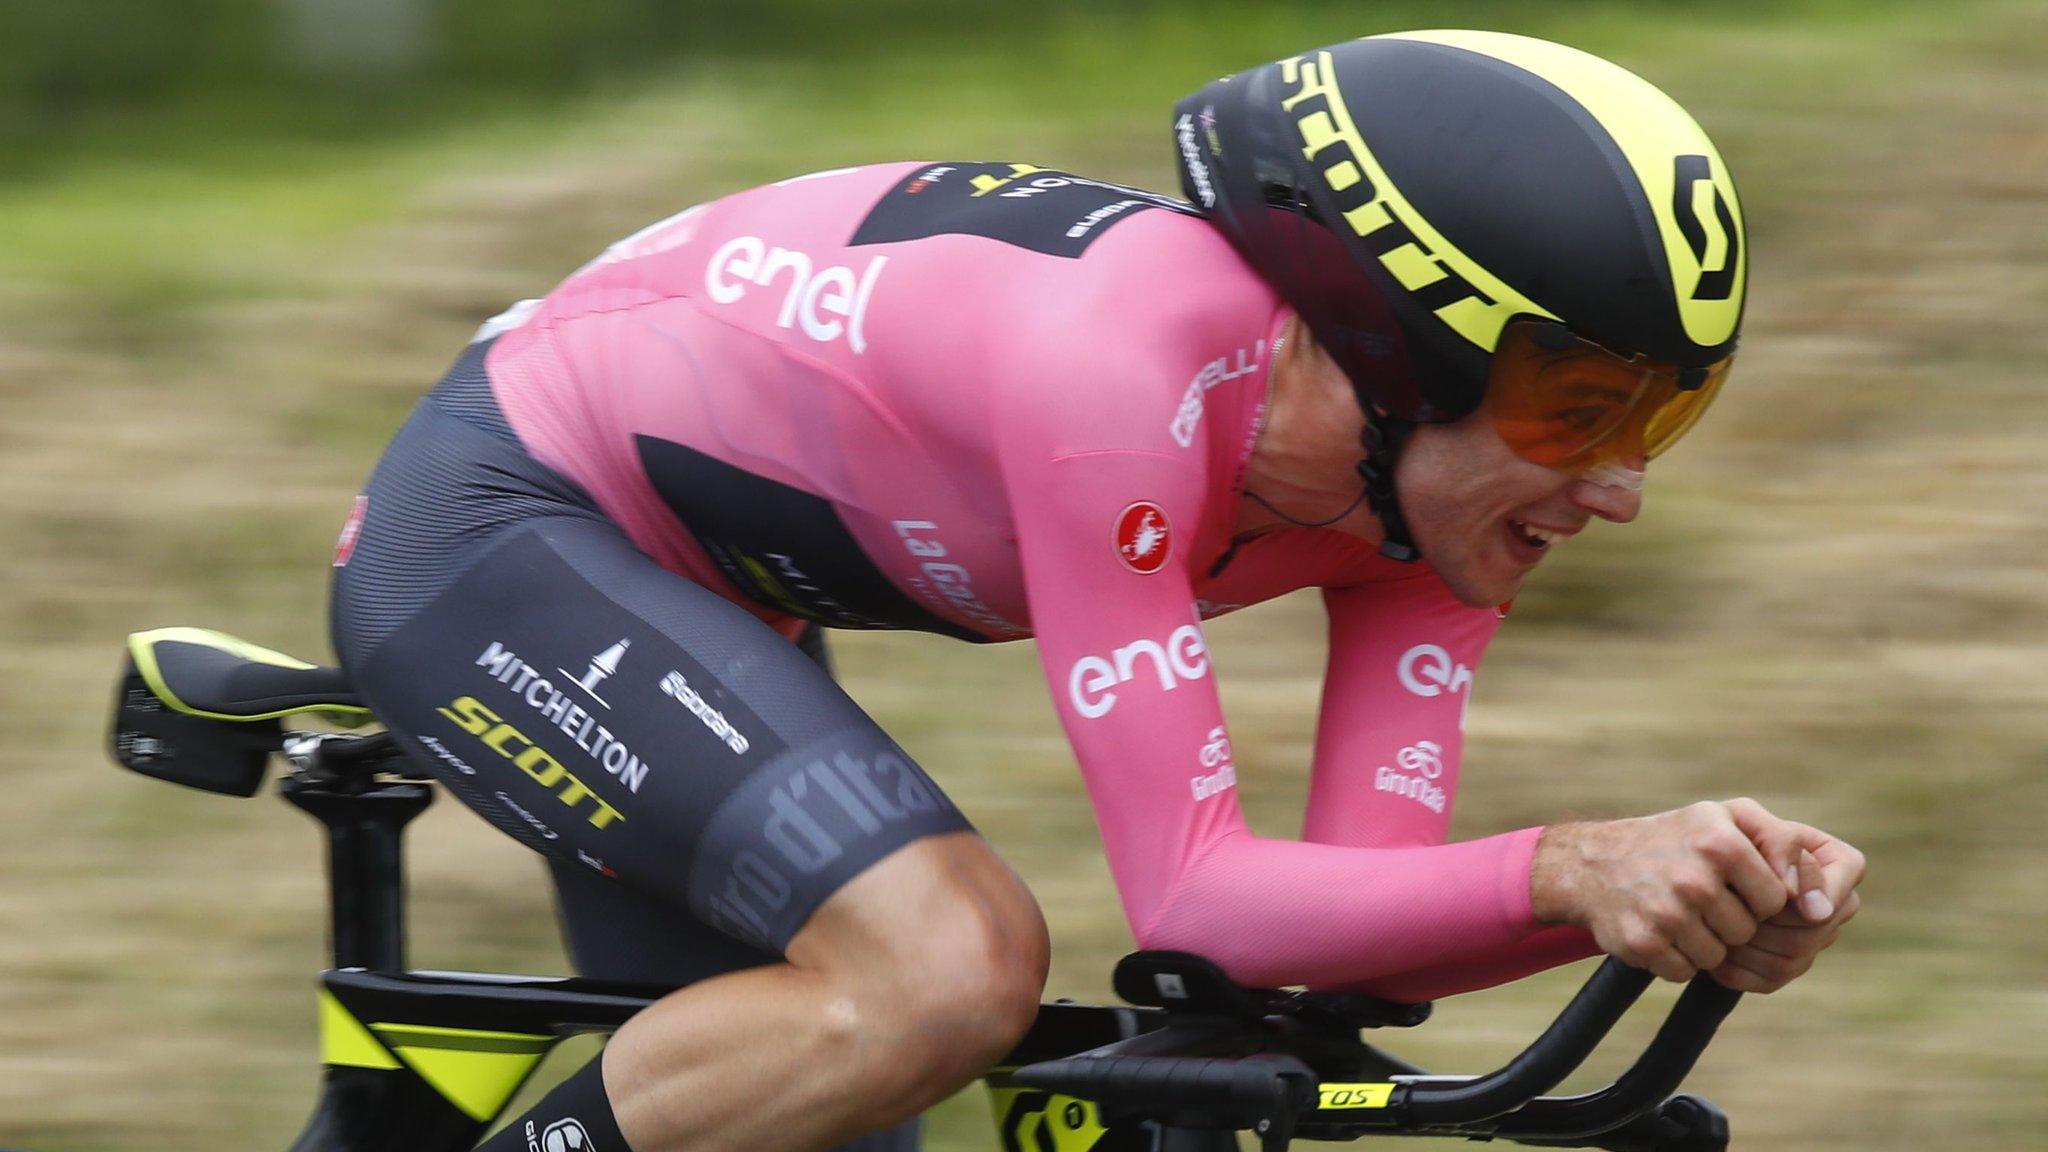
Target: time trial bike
point(427, 1060)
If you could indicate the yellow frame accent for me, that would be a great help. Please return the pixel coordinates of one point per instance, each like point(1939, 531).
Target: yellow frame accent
point(344, 1041)
point(1072, 1124)
point(477, 1080)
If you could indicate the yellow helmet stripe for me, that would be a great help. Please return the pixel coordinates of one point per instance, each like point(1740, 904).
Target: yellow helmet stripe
point(1481, 304)
point(1701, 223)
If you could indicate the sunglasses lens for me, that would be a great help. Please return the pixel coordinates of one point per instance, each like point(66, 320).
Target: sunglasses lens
point(1579, 404)
point(1553, 406)
point(1676, 416)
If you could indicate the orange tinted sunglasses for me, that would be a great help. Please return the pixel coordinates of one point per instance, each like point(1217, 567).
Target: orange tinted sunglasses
point(1562, 401)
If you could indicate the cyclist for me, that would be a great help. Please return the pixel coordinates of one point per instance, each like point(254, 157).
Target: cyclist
point(1438, 298)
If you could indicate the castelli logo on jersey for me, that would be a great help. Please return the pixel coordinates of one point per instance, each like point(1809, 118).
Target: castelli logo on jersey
point(1144, 539)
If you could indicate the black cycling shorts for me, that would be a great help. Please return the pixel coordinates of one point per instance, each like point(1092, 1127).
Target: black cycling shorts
point(627, 723)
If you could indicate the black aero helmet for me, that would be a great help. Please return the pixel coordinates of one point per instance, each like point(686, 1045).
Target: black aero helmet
point(1411, 194)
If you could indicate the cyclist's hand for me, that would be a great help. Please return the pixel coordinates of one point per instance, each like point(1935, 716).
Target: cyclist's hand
point(1826, 874)
point(1821, 870)
point(1672, 892)
point(1783, 948)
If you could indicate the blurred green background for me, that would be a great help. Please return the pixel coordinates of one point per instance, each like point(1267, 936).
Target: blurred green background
point(239, 237)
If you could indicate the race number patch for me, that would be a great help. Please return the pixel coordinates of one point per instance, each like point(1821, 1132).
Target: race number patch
point(1056, 213)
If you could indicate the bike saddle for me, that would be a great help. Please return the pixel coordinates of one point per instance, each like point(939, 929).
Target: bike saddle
point(201, 708)
point(200, 672)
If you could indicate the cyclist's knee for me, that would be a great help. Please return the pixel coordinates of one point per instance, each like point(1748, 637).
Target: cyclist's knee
point(968, 980)
point(938, 954)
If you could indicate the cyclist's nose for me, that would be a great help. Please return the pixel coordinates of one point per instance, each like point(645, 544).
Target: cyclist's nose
point(1612, 491)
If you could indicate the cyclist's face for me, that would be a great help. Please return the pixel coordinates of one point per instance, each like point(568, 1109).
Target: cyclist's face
point(1480, 513)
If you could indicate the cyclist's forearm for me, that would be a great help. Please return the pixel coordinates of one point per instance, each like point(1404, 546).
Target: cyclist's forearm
point(1484, 968)
point(1277, 912)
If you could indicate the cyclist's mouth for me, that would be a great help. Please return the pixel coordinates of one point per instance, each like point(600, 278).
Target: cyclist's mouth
point(1529, 542)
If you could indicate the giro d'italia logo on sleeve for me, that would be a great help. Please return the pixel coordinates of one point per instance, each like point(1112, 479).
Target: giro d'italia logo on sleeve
point(1143, 537)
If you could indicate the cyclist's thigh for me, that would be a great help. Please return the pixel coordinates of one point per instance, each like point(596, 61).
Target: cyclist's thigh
point(596, 707)
point(616, 932)
point(610, 713)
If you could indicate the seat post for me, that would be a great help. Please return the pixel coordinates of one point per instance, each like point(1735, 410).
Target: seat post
point(365, 865)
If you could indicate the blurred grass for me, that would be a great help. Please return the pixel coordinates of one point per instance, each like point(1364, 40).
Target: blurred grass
point(218, 295)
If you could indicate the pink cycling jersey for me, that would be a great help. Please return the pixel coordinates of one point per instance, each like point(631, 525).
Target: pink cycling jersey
point(996, 401)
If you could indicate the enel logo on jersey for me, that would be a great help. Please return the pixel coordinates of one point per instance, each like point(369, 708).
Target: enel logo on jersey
point(1428, 670)
point(1091, 683)
point(812, 296)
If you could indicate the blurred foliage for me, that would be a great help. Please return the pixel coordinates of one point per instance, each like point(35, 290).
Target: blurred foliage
point(80, 74)
point(70, 68)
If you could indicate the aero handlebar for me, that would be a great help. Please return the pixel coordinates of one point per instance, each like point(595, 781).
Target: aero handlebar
point(1174, 1073)
point(1655, 1074)
point(1564, 1045)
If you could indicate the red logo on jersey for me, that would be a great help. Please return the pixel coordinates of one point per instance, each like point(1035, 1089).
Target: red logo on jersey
point(1143, 537)
point(351, 531)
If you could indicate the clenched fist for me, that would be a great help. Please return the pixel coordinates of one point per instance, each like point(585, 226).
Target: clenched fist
point(1725, 888)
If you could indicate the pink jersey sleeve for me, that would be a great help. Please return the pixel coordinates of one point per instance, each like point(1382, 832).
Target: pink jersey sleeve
point(1388, 753)
point(1130, 673)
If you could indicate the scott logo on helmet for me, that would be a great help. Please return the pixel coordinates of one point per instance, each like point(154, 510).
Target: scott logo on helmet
point(1469, 300)
point(1092, 682)
point(1692, 190)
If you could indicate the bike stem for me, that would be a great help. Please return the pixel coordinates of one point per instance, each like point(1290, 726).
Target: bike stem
point(365, 864)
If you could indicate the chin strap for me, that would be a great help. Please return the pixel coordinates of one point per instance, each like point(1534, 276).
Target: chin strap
point(1382, 439)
